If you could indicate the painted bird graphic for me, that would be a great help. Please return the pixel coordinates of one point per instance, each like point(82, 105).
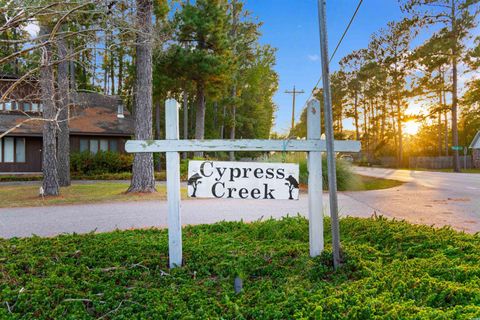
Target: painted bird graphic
point(194, 181)
point(292, 185)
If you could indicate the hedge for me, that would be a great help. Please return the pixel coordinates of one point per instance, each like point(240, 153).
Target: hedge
point(101, 162)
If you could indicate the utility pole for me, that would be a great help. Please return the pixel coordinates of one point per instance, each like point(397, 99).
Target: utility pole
point(332, 176)
point(294, 93)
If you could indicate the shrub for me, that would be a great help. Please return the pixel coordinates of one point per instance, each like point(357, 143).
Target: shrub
point(346, 178)
point(391, 270)
point(101, 162)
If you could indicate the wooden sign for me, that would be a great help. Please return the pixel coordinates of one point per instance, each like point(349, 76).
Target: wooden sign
point(243, 180)
point(279, 185)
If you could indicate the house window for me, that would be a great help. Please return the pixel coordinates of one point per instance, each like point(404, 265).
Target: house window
point(103, 145)
point(20, 150)
point(27, 107)
point(8, 106)
point(35, 107)
point(113, 146)
point(95, 145)
point(12, 150)
point(83, 145)
point(8, 149)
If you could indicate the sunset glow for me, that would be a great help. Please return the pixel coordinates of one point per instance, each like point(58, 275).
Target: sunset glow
point(411, 127)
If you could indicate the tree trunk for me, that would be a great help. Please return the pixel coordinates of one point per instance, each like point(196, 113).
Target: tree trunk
point(143, 179)
point(49, 150)
point(200, 116)
point(439, 124)
point(112, 72)
point(185, 120)
point(357, 127)
point(15, 48)
point(120, 72)
point(215, 116)
point(73, 83)
point(222, 127)
point(446, 131)
point(234, 122)
point(232, 131)
point(456, 160)
point(400, 134)
point(63, 150)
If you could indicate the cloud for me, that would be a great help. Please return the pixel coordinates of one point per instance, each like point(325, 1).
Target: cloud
point(313, 57)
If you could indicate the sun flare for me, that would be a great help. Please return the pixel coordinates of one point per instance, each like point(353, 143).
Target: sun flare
point(411, 127)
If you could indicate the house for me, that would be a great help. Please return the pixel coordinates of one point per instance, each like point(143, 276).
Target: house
point(96, 122)
point(475, 146)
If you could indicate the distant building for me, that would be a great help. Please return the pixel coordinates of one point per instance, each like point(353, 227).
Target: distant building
point(97, 122)
point(475, 146)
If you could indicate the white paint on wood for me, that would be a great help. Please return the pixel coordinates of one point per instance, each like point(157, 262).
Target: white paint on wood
point(238, 145)
point(173, 186)
point(315, 189)
point(243, 180)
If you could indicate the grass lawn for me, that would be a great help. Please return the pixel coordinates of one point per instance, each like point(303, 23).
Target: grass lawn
point(392, 270)
point(372, 183)
point(27, 195)
point(442, 170)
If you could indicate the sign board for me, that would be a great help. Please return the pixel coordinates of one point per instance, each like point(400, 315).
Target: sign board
point(459, 148)
point(243, 180)
point(276, 176)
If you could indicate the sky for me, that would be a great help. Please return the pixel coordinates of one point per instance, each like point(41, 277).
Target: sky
point(292, 28)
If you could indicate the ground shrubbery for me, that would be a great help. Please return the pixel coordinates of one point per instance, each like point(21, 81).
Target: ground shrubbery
point(101, 162)
point(392, 270)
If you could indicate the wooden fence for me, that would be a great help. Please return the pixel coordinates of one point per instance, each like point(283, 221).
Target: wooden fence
point(438, 162)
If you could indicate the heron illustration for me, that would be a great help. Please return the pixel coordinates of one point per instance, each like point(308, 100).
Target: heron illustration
point(292, 184)
point(194, 182)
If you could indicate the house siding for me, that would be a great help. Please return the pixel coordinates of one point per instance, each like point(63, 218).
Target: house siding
point(33, 152)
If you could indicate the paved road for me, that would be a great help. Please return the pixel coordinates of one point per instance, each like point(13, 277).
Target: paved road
point(438, 198)
point(426, 197)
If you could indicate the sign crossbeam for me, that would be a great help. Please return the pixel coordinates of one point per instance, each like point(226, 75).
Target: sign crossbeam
point(310, 145)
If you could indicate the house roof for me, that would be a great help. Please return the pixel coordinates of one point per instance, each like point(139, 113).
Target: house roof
point(93, 114)
point(475, 142)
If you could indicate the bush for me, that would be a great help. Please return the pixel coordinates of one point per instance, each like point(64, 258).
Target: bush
point(102, 162)
point(391, 270)
point(346, 178)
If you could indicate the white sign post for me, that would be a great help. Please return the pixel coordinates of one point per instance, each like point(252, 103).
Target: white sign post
point(172, 146)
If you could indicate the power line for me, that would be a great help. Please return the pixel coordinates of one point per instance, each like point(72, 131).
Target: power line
point(336, 48)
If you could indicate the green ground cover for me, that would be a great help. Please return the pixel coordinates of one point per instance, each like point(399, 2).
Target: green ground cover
point(392, 270)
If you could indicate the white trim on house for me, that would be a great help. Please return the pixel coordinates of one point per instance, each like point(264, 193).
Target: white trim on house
point(475, 142)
